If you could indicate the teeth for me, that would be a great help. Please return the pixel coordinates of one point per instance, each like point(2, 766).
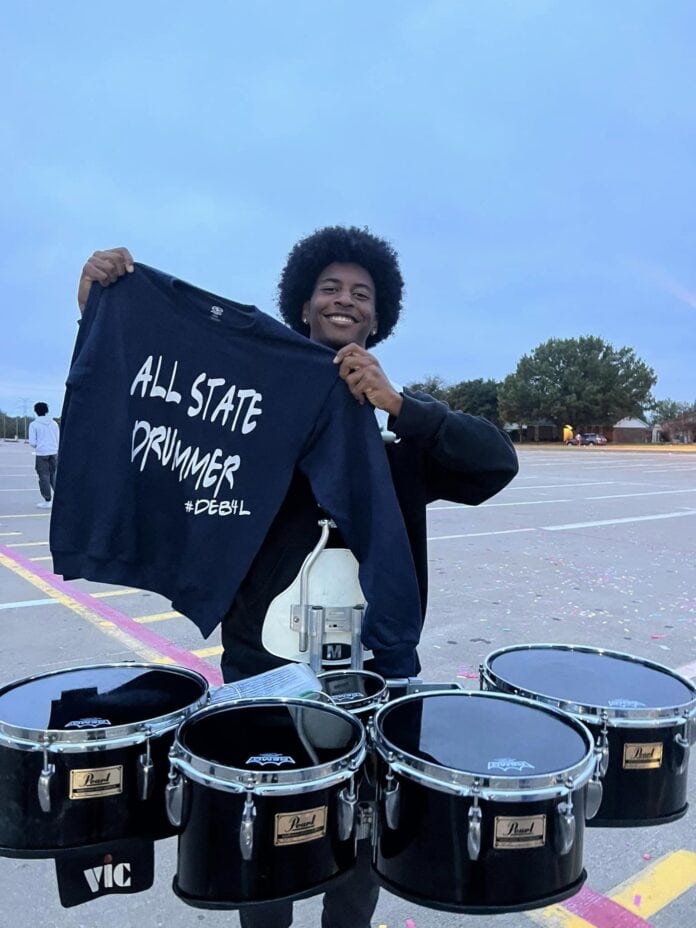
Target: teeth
point(341, 318)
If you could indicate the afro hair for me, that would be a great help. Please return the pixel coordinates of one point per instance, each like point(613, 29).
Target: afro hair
point(345, 245)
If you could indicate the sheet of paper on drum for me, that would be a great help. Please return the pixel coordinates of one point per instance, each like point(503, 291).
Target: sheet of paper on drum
point(289, 680)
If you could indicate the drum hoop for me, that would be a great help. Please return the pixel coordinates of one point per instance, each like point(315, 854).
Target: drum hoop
point(100, 739)
point(368, 702)
point(235, 779)
point(307, 780)
point(466, 783)
point(655, 717)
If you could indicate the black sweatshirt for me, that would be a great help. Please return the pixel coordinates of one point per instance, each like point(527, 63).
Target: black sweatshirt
point(185, 418)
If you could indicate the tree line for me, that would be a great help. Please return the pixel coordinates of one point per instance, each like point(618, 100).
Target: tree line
point(581, 381)
point(578, 381)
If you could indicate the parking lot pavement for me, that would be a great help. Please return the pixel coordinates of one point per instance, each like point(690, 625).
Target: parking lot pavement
point(586, 547)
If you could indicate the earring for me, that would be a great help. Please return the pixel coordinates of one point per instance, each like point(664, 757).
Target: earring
point(374, 331)
point(305, 320)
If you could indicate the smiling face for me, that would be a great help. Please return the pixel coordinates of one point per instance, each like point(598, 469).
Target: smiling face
point(341, 309)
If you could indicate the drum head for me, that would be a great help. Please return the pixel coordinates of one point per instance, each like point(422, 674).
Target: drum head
point(483, 734)
point(270, 736)
point(98, 697)
point(589, 677)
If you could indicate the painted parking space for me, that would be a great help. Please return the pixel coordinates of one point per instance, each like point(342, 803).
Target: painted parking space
point(494, 587)
point(144, 643)
point(630, 904)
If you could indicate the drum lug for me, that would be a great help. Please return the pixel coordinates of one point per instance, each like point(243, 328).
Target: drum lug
point(246, 828)
point(565, 826)
point(595, 792)
point(684, 743)
point(174, 798)
point(392, 801)
point(473, 835)
point(44, 784)
point(603, 746)
point(145, 768)
point(347, 801)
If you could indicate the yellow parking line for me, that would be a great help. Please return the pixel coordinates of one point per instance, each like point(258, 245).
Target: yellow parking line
point(157, 617)
point(658, 885)
point(643, 895)
point(208, 652)
point(143, 651)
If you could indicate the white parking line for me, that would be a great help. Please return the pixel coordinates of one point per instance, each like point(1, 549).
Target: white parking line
point(30, 602)
point(649, 493)
point(563, 486)
point(26, 544)
point(508, 531)
point(572, 525)
point(531, 502)
point(28, 515)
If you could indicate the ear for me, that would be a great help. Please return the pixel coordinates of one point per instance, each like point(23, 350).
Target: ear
point(305, 313)
point(375, 326)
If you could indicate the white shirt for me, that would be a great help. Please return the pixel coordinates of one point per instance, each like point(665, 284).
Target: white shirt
point(43, 435)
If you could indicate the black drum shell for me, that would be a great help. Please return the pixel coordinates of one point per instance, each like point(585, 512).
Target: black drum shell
point(211, 872)
point(425, 859)
point(132, 704)
point(27, 831)
point(635, 797)
point(215, 789)
point(630, 797)
point(435, 751)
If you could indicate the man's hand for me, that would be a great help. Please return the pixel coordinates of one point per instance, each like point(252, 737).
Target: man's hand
point(105, 267)
point(365, 378)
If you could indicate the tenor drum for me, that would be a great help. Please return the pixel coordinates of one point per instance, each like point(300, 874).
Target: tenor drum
point(641, 714)
point(83, 754)
point(264, 795)
point(360, 692)
point(481, 801)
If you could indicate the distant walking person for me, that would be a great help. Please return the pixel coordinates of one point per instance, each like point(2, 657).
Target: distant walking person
point(43, 437)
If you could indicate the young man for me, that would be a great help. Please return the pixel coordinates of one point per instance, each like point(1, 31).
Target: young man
point(342, 287)
point(43, 438)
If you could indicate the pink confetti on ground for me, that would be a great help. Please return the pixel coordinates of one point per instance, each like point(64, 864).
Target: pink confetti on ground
point(647, 856)
point(637, 901)
point(656, 637)
point(410, 923)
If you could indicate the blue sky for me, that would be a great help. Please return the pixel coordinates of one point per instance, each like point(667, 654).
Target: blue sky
point(532, 161)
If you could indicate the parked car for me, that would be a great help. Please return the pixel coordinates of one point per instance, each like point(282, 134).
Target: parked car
point(587, 438)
